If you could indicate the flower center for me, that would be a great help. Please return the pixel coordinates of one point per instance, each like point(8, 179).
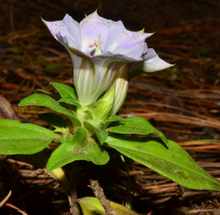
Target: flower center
point(97, 44)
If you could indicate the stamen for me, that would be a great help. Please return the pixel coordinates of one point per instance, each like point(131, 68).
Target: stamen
point(97, 50)
point(97, 44)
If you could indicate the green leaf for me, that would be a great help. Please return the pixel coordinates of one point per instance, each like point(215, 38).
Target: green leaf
point(70, 101)
point(68, 95)
point(40, 91)
point(173, 162)
point(114, 118)
point(23, 138)
point(64, 90)
point(101, 134)
point(92, 206)
point(47, 101)
point(89, 114)
point(78, 148)
point(136, 125)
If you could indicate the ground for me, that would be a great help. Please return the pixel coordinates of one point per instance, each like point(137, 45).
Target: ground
point(182, 102)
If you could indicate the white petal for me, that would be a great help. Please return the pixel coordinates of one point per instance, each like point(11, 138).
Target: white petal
point(132, 44)
point(67, 28)
point(73, 31)
point(92, 77)
point(93, 25)
point(151, 63)
point(114, 37)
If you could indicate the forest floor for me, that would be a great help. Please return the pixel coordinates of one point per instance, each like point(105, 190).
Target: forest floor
point(183, 102)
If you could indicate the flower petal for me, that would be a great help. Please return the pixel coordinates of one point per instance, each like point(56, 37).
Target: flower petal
point(151, 63)
point(93, 25)
point(114, 37)
point(92, 77)
point(67, 28)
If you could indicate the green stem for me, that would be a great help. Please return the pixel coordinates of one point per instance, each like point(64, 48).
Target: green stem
point(70, 189)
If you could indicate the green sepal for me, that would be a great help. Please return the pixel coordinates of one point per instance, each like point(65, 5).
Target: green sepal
point(89, 114)
point(17, 137)
point(135, 125)
point(101, 134)
point(79, 147)
point(92, 206)
point(173, 162)
point(47, 101)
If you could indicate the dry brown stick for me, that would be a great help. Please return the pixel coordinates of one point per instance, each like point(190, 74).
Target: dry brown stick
point(16, 208)
point(5, 199)
point(98, 191)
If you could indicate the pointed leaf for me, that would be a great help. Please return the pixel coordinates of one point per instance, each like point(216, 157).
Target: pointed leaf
point(101, 134)
point(23, 138)
point(64, 90)
point(68, 93)
point(40, 91)
point(114, 118)
point(173, 162)
point(136, 125)
point(78, 148)
point(70, 101)
point(47, 101)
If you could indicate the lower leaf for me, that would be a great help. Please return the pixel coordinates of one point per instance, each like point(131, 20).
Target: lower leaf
point(17, 137)
point(92, 206)
point(173, 162)
point(78, 148)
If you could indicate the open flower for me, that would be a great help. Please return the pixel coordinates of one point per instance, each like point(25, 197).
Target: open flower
point(105, 55)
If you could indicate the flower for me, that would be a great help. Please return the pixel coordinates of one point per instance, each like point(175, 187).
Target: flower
point(104, 54)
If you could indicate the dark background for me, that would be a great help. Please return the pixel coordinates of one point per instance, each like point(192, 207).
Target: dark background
point(182, 101)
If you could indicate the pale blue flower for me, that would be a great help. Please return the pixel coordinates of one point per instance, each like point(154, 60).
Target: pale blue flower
point(99, 47)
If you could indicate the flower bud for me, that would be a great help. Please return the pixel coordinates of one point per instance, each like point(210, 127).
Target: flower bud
point(104, 106)
point(121, 88)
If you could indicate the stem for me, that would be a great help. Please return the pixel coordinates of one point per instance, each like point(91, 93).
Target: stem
point(60, 176)
point(69, 186)
point(98, 191)
point(128, 202)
